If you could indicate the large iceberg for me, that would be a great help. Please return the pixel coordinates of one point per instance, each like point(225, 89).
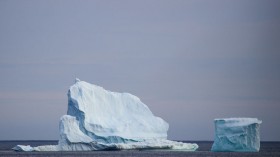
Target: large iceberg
point(98, 119)
point(237, 134)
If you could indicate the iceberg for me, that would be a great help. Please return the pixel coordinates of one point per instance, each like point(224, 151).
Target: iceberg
point(98, 119)
point(237, 135)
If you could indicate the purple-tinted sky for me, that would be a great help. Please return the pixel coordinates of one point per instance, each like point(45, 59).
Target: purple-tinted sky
point(189, 61)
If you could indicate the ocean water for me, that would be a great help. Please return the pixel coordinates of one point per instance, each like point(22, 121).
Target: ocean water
point(268, 149)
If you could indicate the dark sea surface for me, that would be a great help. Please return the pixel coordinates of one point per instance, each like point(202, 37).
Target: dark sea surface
point(268, 149)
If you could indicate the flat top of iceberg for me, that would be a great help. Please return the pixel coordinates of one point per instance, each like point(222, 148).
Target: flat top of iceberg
point(240, 121)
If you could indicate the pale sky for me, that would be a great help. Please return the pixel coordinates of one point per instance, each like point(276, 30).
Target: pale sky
point(190, 61)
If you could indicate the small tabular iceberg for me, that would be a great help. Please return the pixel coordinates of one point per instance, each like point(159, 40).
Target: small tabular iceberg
point(98, 119)
point(237, 135)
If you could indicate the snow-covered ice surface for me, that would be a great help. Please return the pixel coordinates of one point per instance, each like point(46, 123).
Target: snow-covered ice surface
point(237, 134)
point(98, 119)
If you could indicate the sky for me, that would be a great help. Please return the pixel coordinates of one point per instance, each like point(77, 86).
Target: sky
point(190, 61)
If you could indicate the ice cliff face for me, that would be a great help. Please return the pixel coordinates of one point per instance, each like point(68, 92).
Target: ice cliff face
point(98, 119)
point(120, 117)
point(237, 134)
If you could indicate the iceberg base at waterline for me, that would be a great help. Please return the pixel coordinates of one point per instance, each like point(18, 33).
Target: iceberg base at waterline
point(98, 119)
point(94, 146)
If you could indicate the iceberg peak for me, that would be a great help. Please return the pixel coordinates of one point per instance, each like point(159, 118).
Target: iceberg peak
point(77, 80)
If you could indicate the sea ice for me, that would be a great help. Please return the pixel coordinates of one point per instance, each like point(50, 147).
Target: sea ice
point(27, 148)
point(98, 119)
point(237, 135)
